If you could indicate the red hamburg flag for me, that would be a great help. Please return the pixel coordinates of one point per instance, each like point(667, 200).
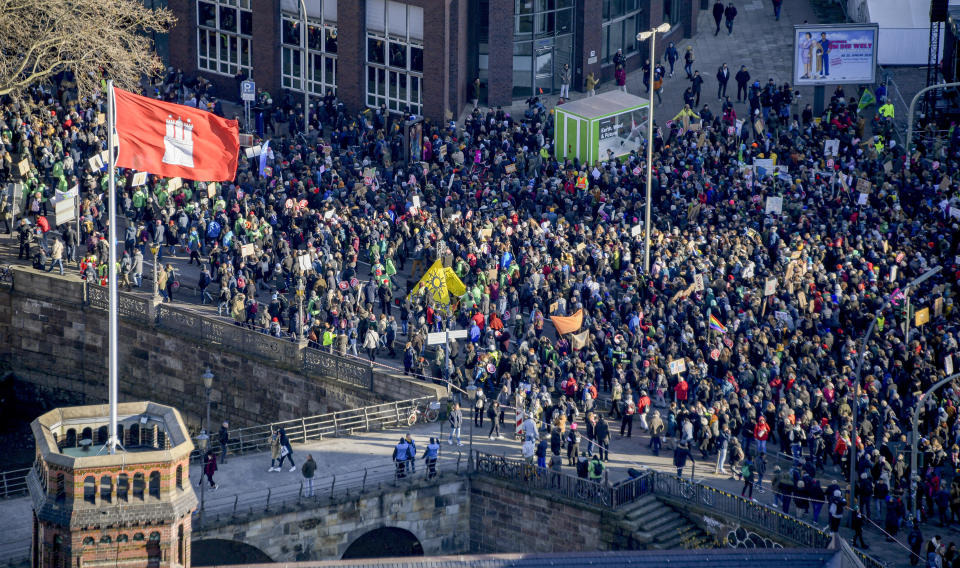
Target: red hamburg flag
point(174, 140)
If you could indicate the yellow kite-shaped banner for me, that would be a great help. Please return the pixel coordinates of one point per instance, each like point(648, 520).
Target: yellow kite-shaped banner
point(439, 283)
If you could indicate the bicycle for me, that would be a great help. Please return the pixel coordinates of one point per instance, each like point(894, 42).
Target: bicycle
point(420, 414)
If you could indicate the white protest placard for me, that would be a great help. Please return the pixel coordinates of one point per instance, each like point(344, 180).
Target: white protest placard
point(212, 189)
point(763, 166)
point(770, 286)
point(436, 338)
point(636, 230)
point(252, 151)
point(677, 366)
point(955, 212)
point(774, 205)
point(948, 364)
point(831, 147)
point(246, 250)
point(139, 179)
point(59, 196)
point(65, 211)
point(95, 162)
point(862, 200)
point(328, 214)
point(174, 184)
point(304, 261)
point(893, 273)
point(105, 157)
point(698, 282)
point(458, 334)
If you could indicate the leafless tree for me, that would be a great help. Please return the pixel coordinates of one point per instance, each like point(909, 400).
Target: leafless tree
point(93, 38)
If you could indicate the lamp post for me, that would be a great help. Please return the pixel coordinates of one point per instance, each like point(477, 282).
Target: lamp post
point(203, 441)
point(906, 294)
point(304, 57)
point(913, 443)
point(301, 290)
point(207, 378)
point(472, 395)
point(155, 249)
point(856, 404)
point(913, 107)
point(642, 36)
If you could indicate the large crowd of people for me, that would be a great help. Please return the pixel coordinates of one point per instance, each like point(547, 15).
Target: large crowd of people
point(767, 307)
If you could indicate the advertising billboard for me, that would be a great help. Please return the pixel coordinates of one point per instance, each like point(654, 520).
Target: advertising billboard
point(835, 54)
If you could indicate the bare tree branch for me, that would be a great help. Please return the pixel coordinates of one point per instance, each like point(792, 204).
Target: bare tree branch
point(93, 39)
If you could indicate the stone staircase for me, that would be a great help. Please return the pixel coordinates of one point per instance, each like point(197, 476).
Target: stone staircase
point(653, 524)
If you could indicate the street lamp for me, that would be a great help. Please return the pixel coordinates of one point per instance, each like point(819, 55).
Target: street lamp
point(203, 441)
point(155, 249)
point(207, 378)
point(856, 404)
point(472, 395)
point(652, 36)
point(301, 290)
point(304, 58)
point(906, 294)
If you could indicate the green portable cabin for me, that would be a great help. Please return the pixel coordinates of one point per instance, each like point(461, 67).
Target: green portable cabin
point(598, 128)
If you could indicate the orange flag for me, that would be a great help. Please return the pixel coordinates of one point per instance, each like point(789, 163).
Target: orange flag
point(173, 140)
point(568, 324)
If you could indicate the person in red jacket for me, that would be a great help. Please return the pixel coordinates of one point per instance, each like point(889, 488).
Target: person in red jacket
point(762, 432)
point(680, 391)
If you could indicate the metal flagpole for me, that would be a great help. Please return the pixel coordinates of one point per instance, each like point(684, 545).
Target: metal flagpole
point(112, 278)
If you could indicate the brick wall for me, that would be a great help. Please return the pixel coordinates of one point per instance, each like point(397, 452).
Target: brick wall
point(351, 52)
point(500, 87)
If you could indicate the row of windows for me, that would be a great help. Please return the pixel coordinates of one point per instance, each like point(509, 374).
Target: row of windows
point(140, 486)
point(531, 6)
point(133, 436)
point(105, 539)
point(620, 34)
point(223, 36)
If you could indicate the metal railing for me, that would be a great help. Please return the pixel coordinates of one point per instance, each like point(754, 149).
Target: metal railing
point(745, 511)
point(13, 482)
point(349, 370)
point(330, 425)
point(220, 508)
point(15, 553)
point(600, 494)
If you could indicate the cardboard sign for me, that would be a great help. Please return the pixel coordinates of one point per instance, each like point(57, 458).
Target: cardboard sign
point(304, 262)
point(831, 147)
point(486, 234)
point(174, 184)
point(95, 163)
point(864, 186)
point(770, 286)
point(921, 317)
point(774, 205)
point(23, 167)
point(938, 307)
point(887, 167)
point(252, 151)
point(677, 366)
point(510, 168)
point(101, 118)
point(139, 179)
point(212, 189)
point(247, 250)
point(698, 282)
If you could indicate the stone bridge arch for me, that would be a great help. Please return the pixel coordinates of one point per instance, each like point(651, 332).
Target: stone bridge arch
point(384, 542)
point(435, 513)
point(221, 551)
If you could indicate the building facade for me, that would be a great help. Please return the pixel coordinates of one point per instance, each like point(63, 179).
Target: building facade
point(418, 55)
point(91, 508)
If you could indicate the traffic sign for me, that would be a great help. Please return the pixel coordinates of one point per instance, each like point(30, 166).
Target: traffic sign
point(248, 90)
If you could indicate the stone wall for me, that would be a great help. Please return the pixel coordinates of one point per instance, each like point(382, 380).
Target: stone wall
point(501, 514)
point(435, 512)
point(57, 346)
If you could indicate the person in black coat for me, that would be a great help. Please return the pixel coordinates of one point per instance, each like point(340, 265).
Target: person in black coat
point(730, 13)
point(602, 432)
point(743, 79)
point(718, 15)
point(723, 76)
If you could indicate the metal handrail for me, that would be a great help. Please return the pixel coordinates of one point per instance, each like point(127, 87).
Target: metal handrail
point(220, 507)
point(332, 424)
point(601, 494)
point(13, 482)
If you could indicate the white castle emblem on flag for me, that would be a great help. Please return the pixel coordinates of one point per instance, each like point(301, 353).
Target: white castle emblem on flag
point(178, 143)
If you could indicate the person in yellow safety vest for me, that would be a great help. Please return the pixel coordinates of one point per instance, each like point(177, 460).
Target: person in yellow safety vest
point(582, 181)
point(878, 143)
point(887, 110)
point(328, 337)
point(544, 153)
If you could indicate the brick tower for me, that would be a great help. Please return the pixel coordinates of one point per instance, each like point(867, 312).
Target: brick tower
point(130, 509)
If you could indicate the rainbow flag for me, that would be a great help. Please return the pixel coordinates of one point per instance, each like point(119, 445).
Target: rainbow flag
point(716, 325)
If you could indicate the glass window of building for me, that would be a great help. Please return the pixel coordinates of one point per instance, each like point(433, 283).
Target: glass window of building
point(622, 20)
point(543, 43)
point(321, 39)
point(395, 56)
point(224, 28)
point(671, 11)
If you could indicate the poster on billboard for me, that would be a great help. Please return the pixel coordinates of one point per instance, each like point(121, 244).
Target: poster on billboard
point(835, 54)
